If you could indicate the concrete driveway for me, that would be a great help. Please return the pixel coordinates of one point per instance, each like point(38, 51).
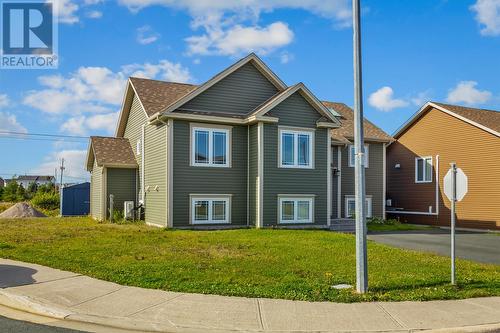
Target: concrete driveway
point(477, 246)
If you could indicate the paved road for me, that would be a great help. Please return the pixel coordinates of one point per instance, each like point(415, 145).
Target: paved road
point(19, 326)
point(476, 246)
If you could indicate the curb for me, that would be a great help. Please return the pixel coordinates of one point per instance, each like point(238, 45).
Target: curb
point(36, 307)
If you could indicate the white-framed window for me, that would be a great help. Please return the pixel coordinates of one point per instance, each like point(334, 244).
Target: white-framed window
point(138, 147)
point(423, 169)
point(350, 206)
point(210, 147)
point(296, 209)
point(210, 209)
point(296, 148)
point(352, 156)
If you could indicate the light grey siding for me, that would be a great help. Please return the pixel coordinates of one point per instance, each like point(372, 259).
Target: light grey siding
point(373, 177)
point(133, 132)
point(294, 111)
point(240, 92)
point(252, 174)
point(120, 183)
point(96, 192)
point(206, 180)
point(155, 164)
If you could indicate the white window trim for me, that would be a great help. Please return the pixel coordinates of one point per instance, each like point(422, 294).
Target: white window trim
point(367, 155)
point(424, 158)
point(295, 199)
point(296, 132)
point(210, 198)
point(349, 198)
point(210, 129)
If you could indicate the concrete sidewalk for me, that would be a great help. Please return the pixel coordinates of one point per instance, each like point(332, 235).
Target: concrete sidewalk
point(70, 296)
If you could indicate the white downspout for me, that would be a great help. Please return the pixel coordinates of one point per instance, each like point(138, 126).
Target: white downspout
point(142, 163)
point(437, 185)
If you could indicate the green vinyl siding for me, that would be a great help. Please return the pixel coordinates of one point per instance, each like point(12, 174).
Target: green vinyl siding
point(155, 168)
point(240, 92)
point(208, 180)
point(295, 111)
point(133, 132)
point(120, 183)
point(335, 181)
point(96, 192)
point(252, 174)
point(373, 177)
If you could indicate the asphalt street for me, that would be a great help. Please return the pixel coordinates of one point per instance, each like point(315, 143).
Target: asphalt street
point(18, 326)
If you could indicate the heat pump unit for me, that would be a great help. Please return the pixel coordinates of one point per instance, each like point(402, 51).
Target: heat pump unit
point(128, 210)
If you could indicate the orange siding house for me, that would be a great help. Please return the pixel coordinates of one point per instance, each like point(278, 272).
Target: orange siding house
point(417, 161)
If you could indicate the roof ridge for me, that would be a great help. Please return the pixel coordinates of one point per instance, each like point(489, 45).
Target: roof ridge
point(465, 107)
point(163, 81)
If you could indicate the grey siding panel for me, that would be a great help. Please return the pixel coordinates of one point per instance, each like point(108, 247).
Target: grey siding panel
point(335, 181)
point(373, 177)
point(95, 192)
point(252, 174)
point(120, 183)
point(155, 168)
point(133, 132)
point(205, 180)
point(295, 111)
point(240, 92)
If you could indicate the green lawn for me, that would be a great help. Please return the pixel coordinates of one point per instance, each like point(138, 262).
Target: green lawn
point(291, 264)
point(395, 227)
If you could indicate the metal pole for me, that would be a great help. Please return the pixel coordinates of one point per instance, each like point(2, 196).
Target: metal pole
point(453, 203)
point(61, 186)
point(359, 167)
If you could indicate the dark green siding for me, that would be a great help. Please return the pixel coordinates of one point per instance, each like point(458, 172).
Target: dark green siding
point(121, 183)
point(335, 181)
point(294, 111)
point(240, 92)
point(206, 180)
point(252, 174)
point(373, 177)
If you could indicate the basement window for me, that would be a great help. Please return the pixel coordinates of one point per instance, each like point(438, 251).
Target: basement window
point(296, 209)
point(350, 206)
point(423, 169)
point(210, 209)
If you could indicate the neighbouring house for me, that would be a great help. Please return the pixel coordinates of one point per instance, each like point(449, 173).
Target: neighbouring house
point(417, 161)
point(3, 182)
point(26, 180)
point(242, 149)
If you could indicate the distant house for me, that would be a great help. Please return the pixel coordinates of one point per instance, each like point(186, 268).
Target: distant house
point(425, 146)
point(2, 182)
point(26, 180)
point(242, 149)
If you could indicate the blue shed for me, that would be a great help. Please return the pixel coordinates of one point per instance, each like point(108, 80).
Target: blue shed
point(75, 200)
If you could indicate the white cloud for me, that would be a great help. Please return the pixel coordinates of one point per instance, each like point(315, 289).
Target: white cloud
point(488, 16)
point(94, 14)
point(4, 100)
point(466, 92)
point(231, 27)
point(66, 11)
point(8, 122)
point(421, 98)
point(383, 100)
point(286, 57)
point(82, 125)
point(74, 162)
point(146, 35)
point(238, 39)
point(96, 89)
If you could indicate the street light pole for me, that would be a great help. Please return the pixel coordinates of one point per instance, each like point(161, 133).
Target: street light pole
point(359, 167)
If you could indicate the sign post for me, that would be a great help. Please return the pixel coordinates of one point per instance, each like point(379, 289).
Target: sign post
point(455, 188)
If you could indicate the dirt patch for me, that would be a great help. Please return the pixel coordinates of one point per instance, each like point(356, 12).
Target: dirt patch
point(21, 210)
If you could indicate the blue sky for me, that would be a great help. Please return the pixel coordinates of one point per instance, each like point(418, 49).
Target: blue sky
point(413, 51)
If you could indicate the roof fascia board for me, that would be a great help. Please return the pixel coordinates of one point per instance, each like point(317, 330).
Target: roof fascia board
point(90, 154)
point(261, 66)
point(128, 98)
point(214, 119)
point(119, 166)
point(427, 105)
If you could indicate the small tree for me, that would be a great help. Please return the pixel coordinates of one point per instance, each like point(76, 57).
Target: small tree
point(32, 189)
point(10, 191)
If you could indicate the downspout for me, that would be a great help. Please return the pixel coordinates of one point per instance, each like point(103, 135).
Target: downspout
point(437, 185)
point(142, 201)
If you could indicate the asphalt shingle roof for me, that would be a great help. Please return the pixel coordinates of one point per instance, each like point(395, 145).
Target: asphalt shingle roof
point(156, 95)
point(487, 118)
point(345, 133)
point(112, 151)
